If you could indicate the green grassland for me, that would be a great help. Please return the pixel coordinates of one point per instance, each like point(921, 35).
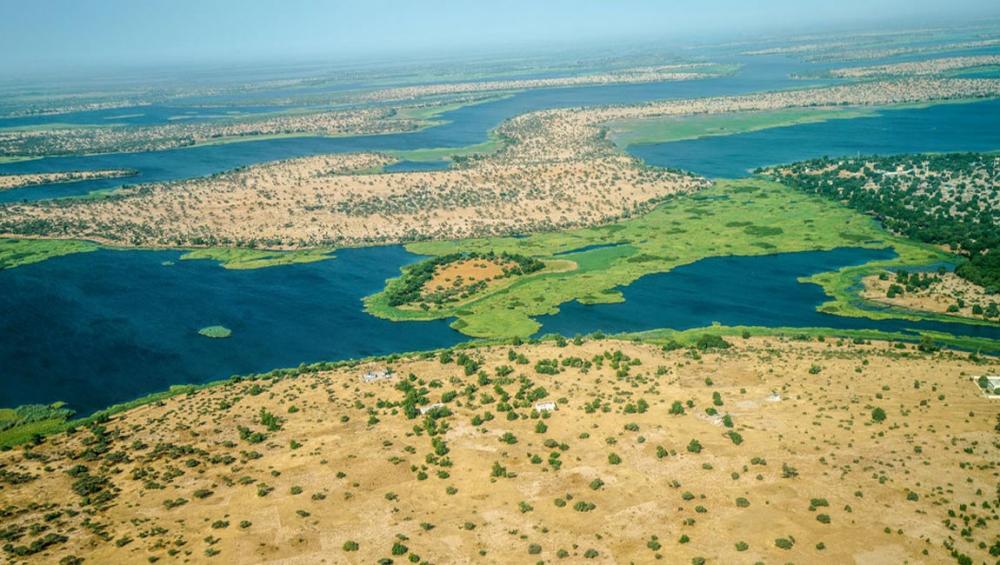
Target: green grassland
point(216, 332)
point(493, 144)
point(734, 217)
point(677, 128)
point(17, 252)
point(935, 339)
point(238, 258)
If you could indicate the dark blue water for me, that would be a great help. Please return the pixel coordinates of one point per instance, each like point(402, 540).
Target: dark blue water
point(946, 127)
point(105, 327)
point(752, 291)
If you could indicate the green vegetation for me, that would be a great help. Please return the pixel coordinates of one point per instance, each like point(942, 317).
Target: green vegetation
point(22, 423)
point(841, 285)
point(950, 199)
point(735, 217)
point(217, 332)
point(235, 258)
point(678, 128)
point(410, 289)
point(17, 252)
point(689, 338)
point(494, 143)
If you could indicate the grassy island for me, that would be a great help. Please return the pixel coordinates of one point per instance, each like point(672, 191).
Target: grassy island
point(238, 258)
point(17, 252)
point(216, 332)
point(456, 277)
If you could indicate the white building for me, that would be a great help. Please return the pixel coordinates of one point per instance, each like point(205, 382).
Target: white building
point(376, 375)
point(545, 406)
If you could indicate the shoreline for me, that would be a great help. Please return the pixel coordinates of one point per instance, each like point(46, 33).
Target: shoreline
point(15, 181)
point(687, 338)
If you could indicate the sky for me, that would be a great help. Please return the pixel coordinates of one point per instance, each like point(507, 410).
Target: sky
point(52, 34)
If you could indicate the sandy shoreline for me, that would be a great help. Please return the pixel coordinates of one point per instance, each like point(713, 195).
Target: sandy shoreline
point(8, 182)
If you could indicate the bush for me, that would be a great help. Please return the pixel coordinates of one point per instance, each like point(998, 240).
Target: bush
point(878, 415)
point(709, 341)
point(694, 446)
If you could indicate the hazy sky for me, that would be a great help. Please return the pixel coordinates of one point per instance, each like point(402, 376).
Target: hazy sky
point(44, 34)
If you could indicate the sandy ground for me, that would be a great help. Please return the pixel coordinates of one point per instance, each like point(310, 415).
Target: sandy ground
point(913, 68)
point(624, 76)
point(329, 200)
point(609, 474)
point(936, 298)
point(557, 171)
point(469, 271)
point(18, 181)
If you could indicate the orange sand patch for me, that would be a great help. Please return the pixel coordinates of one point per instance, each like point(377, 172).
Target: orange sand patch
point(469, 270)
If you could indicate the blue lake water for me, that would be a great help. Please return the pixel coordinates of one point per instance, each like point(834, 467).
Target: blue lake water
point(941, 128)
point(754, 291)
point(105, 327)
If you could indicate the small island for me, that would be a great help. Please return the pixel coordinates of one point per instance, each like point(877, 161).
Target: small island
point(8, 182)
point(455, 278)
point(216, 332)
